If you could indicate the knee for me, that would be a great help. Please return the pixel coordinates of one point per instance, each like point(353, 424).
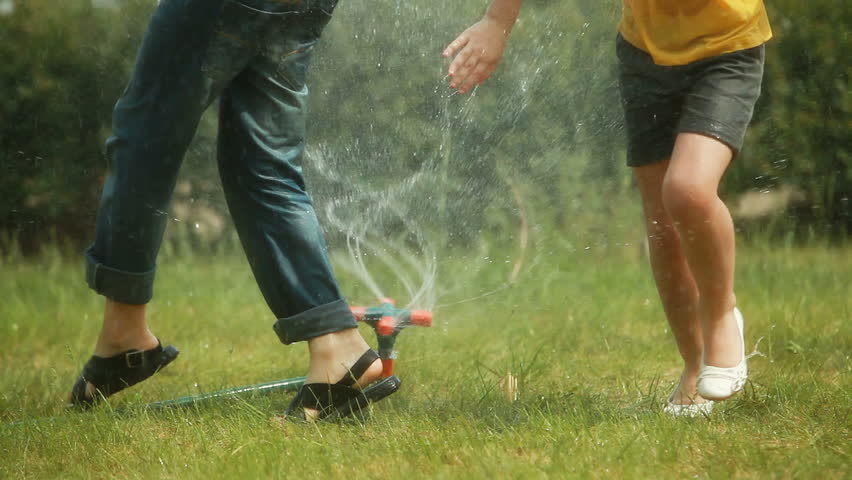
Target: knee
point(687, 200)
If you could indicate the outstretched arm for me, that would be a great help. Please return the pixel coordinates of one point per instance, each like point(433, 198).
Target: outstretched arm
point(479, 49)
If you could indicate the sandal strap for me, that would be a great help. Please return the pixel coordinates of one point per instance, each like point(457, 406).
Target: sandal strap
point(112, 374)
point(360, 367)
point(324, 396)
point(336, 401)
point(102, 370)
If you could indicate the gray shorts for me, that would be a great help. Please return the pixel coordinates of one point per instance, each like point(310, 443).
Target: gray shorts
point(714, 96)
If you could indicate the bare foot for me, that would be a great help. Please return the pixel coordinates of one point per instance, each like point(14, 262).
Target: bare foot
point(331, 358)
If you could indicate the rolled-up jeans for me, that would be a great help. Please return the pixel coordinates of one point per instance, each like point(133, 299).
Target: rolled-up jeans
point(253, 56)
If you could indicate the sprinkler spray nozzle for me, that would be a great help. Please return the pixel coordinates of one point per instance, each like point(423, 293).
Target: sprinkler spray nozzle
point(388, 321)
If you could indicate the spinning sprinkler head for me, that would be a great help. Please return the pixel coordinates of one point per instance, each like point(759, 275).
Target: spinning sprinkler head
point(388, 321)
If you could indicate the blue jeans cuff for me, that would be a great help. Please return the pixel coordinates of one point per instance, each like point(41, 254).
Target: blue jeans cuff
point(329, 318)
point(125, 287)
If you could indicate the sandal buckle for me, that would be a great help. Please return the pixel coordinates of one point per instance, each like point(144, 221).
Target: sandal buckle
point(134, 359)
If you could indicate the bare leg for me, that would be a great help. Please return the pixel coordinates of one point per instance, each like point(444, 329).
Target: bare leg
point(690, 196)
point(674, 280)
point(124, 328)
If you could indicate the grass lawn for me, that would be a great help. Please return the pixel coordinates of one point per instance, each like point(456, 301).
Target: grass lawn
point(582, 332)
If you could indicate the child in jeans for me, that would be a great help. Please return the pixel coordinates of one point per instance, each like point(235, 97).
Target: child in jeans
point(253, 56)
point(690, 73)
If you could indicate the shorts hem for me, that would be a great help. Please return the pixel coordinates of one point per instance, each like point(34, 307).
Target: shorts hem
point(732, 137)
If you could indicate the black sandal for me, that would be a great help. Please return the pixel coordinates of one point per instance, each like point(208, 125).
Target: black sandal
point(338, 400)
point(113, 374)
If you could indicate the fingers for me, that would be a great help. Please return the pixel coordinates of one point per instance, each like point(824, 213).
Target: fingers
point(474, 67)
point(455, 45)
point(461, 67)
point(459, 64)
point(477, 51)
point(477, 76)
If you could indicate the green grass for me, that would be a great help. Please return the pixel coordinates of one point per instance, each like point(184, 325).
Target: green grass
point(582, 331)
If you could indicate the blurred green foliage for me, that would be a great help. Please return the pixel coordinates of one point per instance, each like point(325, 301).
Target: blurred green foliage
point(802, 134)
point(62, 70)
point(547, 124)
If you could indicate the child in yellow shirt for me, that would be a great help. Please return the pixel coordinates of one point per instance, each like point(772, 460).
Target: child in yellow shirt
point(690, 73)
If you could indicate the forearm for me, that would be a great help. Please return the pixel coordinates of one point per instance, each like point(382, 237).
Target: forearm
point(505, 12)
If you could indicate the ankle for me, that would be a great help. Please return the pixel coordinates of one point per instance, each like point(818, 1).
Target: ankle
point(117, 341)
point(334, 345)
point(124, 328)
point(124, 312)
point(332, 355)
point(690, 373)
point(686, 392)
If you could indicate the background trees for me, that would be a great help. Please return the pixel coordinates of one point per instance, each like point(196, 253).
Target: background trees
point(803, 130)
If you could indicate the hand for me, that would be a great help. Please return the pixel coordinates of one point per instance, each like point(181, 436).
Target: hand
point(480, 49)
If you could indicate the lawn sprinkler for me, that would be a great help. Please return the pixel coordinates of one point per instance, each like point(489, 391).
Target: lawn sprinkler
point(387, 321)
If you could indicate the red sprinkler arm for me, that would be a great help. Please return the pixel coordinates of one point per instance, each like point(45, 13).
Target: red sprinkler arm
point(386, 318)
point(388, 321)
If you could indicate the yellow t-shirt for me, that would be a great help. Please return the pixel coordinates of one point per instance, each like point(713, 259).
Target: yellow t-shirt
point(677, 32)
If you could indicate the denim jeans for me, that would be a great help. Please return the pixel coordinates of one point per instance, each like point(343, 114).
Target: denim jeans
point(253, 56)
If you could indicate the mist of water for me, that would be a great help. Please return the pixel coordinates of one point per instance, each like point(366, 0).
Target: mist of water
point(397, 205)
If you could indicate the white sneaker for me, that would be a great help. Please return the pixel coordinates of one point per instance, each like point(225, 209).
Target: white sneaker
point(717, 383)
